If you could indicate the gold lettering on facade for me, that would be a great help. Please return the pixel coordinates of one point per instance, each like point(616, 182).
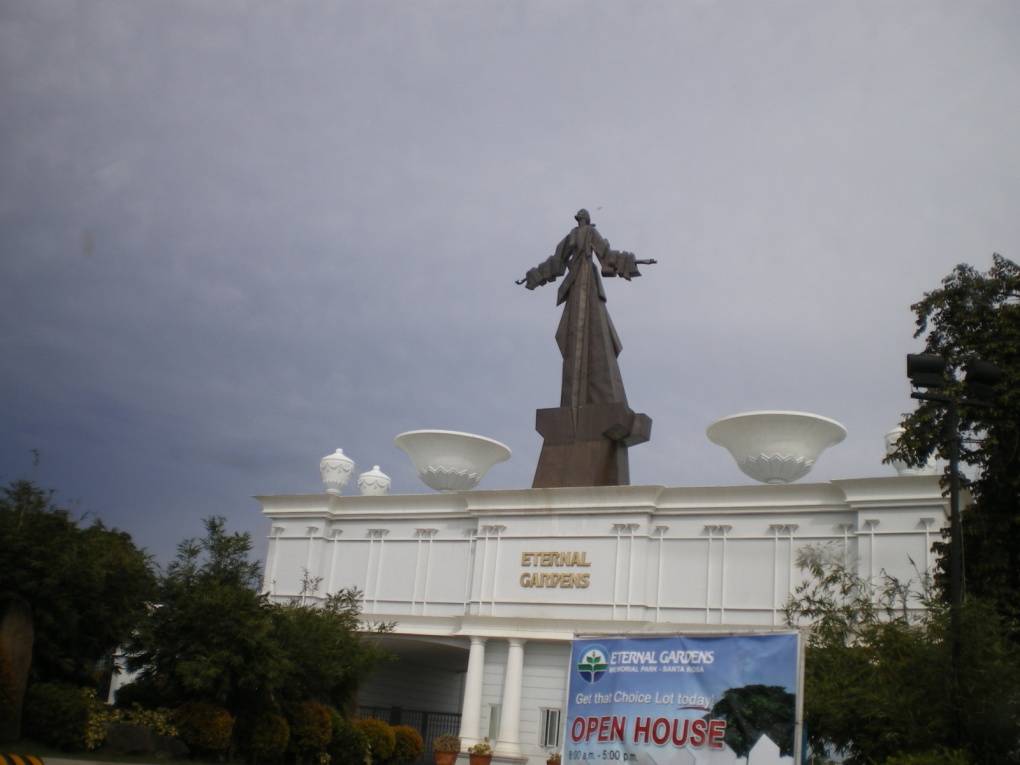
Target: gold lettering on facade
point(575, 581)
point(556, 559)
point(567, 580)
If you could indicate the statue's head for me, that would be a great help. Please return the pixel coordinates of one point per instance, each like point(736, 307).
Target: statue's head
point(582, 215)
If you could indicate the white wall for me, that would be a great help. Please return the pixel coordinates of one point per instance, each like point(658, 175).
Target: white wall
point(453, 566)
point(722, 555)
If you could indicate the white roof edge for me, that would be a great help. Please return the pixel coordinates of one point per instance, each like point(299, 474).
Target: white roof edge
point(884, 490)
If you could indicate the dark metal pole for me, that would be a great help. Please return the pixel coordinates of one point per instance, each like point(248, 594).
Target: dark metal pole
point(955, 525)
point(955, 555)
point(927, 371)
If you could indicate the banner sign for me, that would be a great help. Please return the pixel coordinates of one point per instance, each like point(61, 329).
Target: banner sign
point(645, 699)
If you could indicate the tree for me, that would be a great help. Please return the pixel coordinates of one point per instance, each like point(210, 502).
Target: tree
point(329, 656)
point(214, 636)
point(877, 680)
point(208, 636)
point(755, 710)
point(977, 316)
point(86, 585)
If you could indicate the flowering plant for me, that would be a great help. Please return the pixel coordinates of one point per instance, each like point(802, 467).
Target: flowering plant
point(482, 747)
point(446, 743)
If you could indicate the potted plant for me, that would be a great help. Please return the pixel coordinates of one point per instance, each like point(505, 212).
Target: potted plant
point(446, 748)
point(480, 753)
point(553, 758)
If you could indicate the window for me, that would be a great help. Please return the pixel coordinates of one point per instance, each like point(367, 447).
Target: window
point(494, 710)
point(549, 727)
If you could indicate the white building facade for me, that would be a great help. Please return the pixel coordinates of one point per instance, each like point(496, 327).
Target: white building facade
point(488, 588)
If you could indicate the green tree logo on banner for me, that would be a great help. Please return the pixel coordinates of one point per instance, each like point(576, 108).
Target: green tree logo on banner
point(593, 666)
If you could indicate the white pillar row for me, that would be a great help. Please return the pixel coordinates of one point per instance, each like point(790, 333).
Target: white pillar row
point(471, 713)
point(509, 740)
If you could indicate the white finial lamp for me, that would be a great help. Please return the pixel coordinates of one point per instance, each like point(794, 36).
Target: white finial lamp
point(336, 470)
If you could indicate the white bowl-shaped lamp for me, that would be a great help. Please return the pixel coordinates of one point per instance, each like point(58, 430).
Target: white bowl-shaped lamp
point(902, 468)
point(776, 447)
point(451, 461)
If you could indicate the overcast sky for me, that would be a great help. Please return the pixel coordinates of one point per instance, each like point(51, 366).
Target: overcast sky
point(238, 234)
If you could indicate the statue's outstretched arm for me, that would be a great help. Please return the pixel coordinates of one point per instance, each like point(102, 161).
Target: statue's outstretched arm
point(539, 275)
point(623, 264)
point(549, 270)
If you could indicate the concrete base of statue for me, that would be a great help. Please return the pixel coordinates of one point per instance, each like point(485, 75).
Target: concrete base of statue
point(587, 446)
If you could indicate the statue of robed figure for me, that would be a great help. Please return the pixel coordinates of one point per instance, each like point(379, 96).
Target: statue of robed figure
point(587, 436)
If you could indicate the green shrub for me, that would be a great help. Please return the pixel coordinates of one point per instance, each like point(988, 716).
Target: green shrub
point(203, 727)
point(940, 756)
point(265, 736)
point(380, 738)
point(408, 745)
point(143, 692)
point(349, 745)
point(335, 720)
point(310, 727)
point(63, 716)
point(158, 719)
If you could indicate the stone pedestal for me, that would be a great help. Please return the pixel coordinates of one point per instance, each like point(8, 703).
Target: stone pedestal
point(587, 446)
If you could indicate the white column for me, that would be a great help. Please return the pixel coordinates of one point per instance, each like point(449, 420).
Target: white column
point(430, 534)
point(847, 528)
point(927, 523)
point(509, 743)
point(661, 531)
point(791, 567)
point(274, 552)
point(710, 529)
point(621, 529)
point(494, 532)
point(775, 528)
point(469, 577)
point(312, 531)
point(633, 527)
point(372, 587)
point(471, 713)
point(336, 533)
point(725, 528)
point(869, 526)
